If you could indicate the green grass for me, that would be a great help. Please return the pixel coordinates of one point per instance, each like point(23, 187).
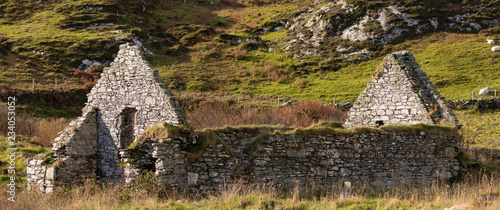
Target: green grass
point(42, 30)
point(456, 63)
point(24, 148)
point(459, 63)
point(481, 128)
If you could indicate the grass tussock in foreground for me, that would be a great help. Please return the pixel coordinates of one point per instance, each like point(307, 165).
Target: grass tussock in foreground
point(471, 193)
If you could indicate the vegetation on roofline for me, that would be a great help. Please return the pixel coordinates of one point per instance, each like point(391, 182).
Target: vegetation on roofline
point(207, 137)
point(164, 130)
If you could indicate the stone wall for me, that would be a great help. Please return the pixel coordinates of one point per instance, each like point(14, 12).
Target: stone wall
point(379, 159)
point(400, 93)
point(493, 103)
point(73, 157)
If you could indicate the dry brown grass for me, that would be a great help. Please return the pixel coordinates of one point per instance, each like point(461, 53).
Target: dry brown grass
point(240, 54)
point(300, 82)
point(472, 193)
point(48, 130)
point(220, 114)
point(89, 77)
point(43, 131)
point(274, 73)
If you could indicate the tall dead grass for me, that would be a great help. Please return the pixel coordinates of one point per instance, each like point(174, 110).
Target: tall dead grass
point(303, 114)
point(473, 193)
point(43, 131)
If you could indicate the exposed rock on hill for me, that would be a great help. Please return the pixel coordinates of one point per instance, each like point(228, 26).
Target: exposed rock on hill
point(325, 28)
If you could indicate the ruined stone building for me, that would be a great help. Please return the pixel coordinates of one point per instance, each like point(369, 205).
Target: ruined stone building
point(129, 98)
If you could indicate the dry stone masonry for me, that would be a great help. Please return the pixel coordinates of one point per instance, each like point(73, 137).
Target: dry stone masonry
point(400, 93)
point(106, 141)
point(128, 98)
point(379, 159)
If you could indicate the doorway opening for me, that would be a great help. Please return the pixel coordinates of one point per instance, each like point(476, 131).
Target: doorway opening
point(127, 121)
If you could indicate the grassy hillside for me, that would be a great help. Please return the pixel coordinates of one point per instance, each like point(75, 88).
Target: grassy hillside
point(196, 49)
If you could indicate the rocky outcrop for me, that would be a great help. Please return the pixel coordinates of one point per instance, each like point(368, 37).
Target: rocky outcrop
point(400, 93)
point(359, 25)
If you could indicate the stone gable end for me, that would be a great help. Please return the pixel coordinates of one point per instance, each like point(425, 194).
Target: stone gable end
point(400, 93)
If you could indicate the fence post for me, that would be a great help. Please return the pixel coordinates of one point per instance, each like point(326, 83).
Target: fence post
point(278, 101)
point(56, 83)
point(33, 85)
point(346, 189)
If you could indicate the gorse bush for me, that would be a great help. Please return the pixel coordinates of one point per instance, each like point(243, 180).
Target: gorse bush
point(303, 114)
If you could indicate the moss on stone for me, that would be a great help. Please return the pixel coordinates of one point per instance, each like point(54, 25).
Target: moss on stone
point(257, 143)
point(133, 145)
point(205, 138)
point(319, 131)
point(251, 129)
point(328, 124)
point(418, 128)
point(48, 158)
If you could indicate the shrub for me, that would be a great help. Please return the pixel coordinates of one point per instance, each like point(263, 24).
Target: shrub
point(89, 77)
point(240, 54)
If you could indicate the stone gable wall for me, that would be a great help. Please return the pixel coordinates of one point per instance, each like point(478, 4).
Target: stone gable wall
point(74, 156)
point(400, 93)
point(129, 82)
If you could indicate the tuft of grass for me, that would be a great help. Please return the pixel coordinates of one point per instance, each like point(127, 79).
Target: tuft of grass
point(161, 130)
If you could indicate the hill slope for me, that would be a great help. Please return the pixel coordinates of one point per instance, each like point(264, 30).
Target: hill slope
point(319, 50)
